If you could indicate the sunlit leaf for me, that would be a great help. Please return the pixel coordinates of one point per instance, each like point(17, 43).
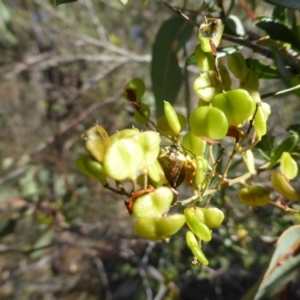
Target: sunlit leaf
point(284, 265)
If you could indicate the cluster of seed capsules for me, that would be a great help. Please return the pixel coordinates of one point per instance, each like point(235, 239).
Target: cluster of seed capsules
point(156, 171)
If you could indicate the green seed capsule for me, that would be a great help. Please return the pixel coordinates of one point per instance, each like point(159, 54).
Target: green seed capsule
point(193, 244)
point(283, 187)
point(90, 167)
point(288, 166)
point(96, 142)
point(172, 118)
point(196, 225)
point(254, 196)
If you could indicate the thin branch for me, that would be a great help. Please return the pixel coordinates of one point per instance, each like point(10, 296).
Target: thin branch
point(62, 130)
point(100, 30)
point(87, 39)
point(103, 277)
point(291, 60)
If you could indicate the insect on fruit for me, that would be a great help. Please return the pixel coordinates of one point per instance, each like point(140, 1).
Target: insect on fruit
point(176, 166)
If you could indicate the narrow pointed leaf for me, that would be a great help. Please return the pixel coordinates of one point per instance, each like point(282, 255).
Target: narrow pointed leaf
point(166, 74)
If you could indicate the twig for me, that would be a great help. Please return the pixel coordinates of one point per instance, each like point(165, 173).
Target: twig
point(62, 130)
point(289, 59)
point(103, 277)
point(87, 39)
point(100, 30)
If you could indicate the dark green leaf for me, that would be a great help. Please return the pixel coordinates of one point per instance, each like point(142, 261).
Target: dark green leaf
point(284, 265)
point(263, 70)
point(279, 13)
point(294, 4)
point(191, 60)
point(287, 145)
point(279, 32)
point(166, 74)
point(266, 144)
point(295, 128)
point(59, 2)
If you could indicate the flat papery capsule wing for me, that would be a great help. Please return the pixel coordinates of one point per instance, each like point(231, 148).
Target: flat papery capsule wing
point(164, 128)
point(90, 167)
point(236, 104)
point(123, 159)
point(194, 246)
point(196, 225)
point(254, 196)
point(288, 166)
point(172, 118)
point(134, 90)
point(193, 144)
point(209, 122)
point(125, 133)
point(207, 85)
point(260, 123)
point(282, 186)
point(96, 141)
point(149, 142)
point(213, 217)
point(156, 229)
point(153, 204)
point(201, 169)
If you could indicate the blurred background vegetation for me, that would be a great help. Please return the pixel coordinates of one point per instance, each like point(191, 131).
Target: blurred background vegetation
point(62, 235)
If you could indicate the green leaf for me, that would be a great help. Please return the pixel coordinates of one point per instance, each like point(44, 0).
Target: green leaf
point(263, 70)
point(287, 145)
point(278, 32)
point(166, 74)
point(44, 240)
point(294, 4)
point(284, 265)
point(59, 2)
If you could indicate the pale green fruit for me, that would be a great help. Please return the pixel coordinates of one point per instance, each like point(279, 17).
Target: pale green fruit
point(153, 204)
point(207, 85)
point(236, 104)
point(90, 167)
point(193, 144)
point(208, 121)
point(172, 118)
point(194, 246)
point(196, 225)
point(237, 65)
point(156, 229)
point(288, 166)
point(213, 217)
point(254, 196)
point(283, 187)
point(96, 141)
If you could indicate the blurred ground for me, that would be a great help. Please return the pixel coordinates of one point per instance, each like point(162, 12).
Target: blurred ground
point(62, 70)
